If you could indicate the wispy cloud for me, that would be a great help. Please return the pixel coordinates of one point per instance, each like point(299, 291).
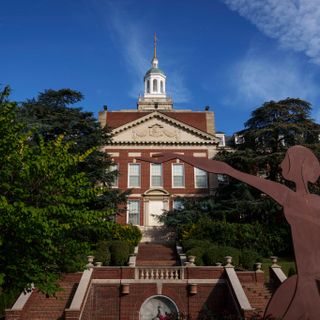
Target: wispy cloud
point(294, 23)
point(258, 78)
point(132, 35)
point(177, 88)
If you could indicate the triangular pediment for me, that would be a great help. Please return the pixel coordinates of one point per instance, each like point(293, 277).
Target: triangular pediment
point(160, 128)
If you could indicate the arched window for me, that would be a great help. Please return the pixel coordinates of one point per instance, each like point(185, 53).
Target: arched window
point(148, 86)
point(155, 85)
point(161, 86)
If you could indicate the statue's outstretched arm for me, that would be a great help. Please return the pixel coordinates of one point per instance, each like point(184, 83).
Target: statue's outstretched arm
point(275, 190)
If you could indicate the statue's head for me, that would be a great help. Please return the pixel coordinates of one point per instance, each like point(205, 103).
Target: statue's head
point(300, 163)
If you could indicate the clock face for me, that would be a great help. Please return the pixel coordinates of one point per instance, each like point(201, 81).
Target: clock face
point(157, 308)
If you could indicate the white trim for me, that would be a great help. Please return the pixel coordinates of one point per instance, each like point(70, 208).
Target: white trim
point(151, 147)
point(79, 296)
point(128, 181)
point(162, 116)
point(279, 273)
point(22, 300)
point(239, 293)
point(113, 154)
point(184, 176)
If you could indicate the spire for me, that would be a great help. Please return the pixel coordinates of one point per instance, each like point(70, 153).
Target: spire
point(155, 96)
point(155, 46)
point(155, 59)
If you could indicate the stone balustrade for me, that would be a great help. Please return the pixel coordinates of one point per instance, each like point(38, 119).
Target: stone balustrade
point(159, 273)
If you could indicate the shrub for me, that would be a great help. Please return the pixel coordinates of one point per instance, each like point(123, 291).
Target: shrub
point(194, 243)
point(291, 272)
point(119, 252)
point(216, 254)
point(128, 233)
point(7, 299)
point(213, 255)
point(219, 232)
point(260, 238)
point(230, 251)
point(248, 258)
point(198, 252)
point(102, 252)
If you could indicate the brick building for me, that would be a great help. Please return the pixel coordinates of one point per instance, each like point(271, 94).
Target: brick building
point(158, 282)
point(156, 127)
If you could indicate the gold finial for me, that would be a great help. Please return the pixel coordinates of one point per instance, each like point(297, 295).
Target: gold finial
point(155, 46)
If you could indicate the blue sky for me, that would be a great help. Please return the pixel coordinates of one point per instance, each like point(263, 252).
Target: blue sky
point(232, 55)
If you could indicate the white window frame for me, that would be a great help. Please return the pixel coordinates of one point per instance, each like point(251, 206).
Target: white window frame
point(161, 175)
point(138, 164)
point(138, 213)
point(197, 170)
point(115, 167)
point(172, 176)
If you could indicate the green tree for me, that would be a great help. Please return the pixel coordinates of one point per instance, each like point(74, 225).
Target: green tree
point(53, 113)
point(271, 130)
point(45, 200)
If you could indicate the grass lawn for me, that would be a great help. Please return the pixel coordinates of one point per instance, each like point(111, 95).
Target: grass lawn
point(286, 264)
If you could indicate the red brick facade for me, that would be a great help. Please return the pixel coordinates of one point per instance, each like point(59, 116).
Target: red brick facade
point(104, 298)
point(184, 132)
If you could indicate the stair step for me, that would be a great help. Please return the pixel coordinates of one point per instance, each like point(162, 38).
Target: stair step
point(154, 254)
point(52, 308)
point(258, 295)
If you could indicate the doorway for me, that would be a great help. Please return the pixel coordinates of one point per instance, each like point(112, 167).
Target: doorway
point(155, 209)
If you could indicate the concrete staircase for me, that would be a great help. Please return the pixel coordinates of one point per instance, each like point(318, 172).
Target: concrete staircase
point(157, 254)
point(40, 307)
point(258, 295)
point(157, 234)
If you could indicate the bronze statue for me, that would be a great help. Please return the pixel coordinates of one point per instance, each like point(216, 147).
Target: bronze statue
point(299, 296)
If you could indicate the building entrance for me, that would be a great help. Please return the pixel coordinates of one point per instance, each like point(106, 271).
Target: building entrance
point(156, 208)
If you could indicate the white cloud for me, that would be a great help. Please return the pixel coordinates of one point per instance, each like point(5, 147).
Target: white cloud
point(177, 88)
point(134, 41)
point(294, 23)
point(258, 78)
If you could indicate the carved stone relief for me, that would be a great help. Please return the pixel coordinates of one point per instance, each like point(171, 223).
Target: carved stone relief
point(156, 131)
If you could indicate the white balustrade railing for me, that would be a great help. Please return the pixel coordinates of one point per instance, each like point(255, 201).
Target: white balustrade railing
point(160, 273)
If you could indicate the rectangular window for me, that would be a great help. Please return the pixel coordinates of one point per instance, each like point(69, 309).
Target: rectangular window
point(222, 179)
point(133, 210)
point(155, 175)
point(134, 175)
point(177, 175)
point(177, 204)
point(200, 178)
point(115, 181)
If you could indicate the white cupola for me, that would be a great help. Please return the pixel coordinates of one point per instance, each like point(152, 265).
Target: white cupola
point(155, 96)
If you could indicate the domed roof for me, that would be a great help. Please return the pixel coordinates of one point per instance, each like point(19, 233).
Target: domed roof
point(154, 70)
